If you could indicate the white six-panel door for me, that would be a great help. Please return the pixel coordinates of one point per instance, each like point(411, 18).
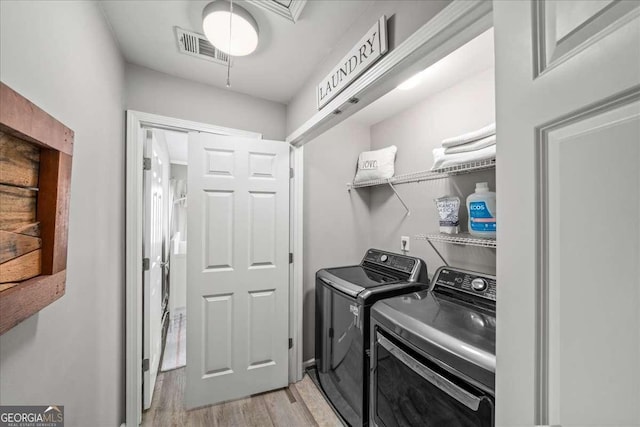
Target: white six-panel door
point(568, 179)
point(237, 267)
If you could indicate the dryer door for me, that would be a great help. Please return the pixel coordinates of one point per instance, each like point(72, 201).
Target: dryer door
point(339, 351)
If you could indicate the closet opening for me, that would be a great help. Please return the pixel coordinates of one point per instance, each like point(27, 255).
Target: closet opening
point(455, 95)
point(381, 171)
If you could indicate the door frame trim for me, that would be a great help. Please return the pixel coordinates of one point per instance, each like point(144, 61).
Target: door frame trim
point(136, 122)
point(296, 295)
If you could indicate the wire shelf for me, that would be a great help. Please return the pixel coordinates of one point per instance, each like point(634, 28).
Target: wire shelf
point(429, 175)
point(459, 239)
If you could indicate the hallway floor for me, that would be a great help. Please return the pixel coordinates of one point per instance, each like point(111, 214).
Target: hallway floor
point(298, 405)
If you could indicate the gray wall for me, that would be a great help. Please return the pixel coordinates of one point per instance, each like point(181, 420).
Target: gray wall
point(158, 93)
point(404, 18)
point(336, 222)
point(61, 56)
point(464, 107)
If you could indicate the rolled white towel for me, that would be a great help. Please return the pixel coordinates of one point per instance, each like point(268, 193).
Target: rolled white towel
point(472, 146)
point(471, 136)
point(442, 160)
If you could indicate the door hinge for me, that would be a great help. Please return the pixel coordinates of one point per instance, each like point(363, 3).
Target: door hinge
point(290, 258)
point(291, 173)
point(290, 343)
point(145, 365)
point(145, 264)
point(146, 163)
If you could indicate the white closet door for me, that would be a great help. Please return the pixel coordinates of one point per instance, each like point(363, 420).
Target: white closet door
point(237, 267)
point(568, 183)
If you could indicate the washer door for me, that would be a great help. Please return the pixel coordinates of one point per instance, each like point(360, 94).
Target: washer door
point(408, 390)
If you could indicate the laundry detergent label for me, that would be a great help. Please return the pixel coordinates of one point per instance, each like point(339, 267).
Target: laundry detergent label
point(480, 217)
point(448, 210)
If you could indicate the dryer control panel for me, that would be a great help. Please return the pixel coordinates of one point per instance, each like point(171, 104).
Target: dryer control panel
point(407, 268)
point(469, 282)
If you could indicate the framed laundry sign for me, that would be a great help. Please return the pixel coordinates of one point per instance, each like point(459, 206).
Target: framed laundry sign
point(362, 56)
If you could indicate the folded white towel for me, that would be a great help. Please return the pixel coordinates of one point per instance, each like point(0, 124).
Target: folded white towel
point(471, 136)
point(472, 146)
point(442, 160)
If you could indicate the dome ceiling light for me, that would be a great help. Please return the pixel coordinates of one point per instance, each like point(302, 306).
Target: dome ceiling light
point(230, 28)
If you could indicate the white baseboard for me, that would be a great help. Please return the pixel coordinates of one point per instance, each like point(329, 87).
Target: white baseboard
point(308, 363)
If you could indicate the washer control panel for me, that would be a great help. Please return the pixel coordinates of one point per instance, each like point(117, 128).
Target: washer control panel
point(479, 284)
point(401, 263)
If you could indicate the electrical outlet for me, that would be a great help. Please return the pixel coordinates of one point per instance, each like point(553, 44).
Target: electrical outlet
point(404, 243)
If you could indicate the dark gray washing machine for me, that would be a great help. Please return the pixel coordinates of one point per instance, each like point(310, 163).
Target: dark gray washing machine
point(344, 296)
point(433, 356)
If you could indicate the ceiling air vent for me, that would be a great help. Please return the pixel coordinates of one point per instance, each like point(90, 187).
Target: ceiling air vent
point(197, 45)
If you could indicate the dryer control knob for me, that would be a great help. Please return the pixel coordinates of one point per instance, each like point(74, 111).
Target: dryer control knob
point(479, 284)
point(384, 258)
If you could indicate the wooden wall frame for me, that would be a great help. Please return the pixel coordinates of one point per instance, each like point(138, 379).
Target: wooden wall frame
point(23, 119)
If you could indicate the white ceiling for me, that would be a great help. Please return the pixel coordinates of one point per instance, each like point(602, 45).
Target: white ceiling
point(287, 52)
point(463, 63)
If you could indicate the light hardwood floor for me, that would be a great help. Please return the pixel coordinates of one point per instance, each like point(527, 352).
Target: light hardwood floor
point(300, 404)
